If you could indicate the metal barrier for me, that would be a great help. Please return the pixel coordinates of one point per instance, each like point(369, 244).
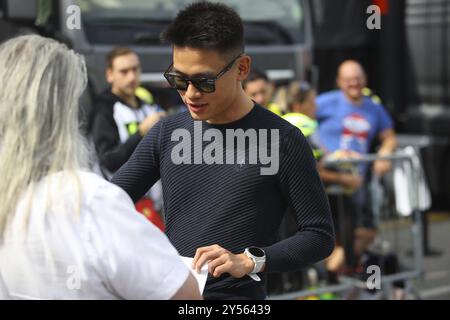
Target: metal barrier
point(417, 270)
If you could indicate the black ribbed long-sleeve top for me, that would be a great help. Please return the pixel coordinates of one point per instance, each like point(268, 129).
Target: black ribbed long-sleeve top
point(234, 205)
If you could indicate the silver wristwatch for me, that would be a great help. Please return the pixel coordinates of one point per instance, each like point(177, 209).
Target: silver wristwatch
point(259, 258)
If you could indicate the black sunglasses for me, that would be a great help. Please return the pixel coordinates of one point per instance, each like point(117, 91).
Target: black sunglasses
point(205, 85)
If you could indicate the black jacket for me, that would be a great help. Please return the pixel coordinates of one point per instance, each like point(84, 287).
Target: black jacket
point(115, 130)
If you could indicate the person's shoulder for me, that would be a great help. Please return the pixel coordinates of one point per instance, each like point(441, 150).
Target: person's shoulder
point(94, 187)
point(105, 105)
point(95, 181)
point(328, 97)
point(92, 179)
point(287, 131)
point(373, 105)
point(275, 108)
point(177, 120)
point(270, 120)
point(106, 99)
point(77, 188)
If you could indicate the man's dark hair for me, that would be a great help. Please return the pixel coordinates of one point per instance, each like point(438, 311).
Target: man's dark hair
point(206, 25)
point(117, 52)
point(255, 75)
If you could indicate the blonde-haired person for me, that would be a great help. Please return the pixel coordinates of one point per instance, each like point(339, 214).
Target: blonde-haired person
point(302, 114)
point(66, 233)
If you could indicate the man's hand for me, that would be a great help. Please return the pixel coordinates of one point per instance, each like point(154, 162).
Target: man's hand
point(345, 154)
point(150, 121)
point(222, 261)
point(350, 180)
point(381, 167)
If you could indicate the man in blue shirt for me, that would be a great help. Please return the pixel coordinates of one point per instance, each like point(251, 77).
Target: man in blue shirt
point(350, 122)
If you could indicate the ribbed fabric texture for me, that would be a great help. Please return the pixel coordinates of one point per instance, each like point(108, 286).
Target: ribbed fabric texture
point(233, 205)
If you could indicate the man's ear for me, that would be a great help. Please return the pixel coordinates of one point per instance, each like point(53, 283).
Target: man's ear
point(109, 75)
point(244, 67)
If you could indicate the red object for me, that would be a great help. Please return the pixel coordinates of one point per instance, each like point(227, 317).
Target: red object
point(384, 6)
point(145, 206)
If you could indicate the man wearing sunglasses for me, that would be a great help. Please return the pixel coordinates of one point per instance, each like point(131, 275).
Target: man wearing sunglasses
point(227, 215)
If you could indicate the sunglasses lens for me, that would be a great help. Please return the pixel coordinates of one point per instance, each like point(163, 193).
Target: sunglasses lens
point(176, 82)
point(180, 83)
point(205, 86)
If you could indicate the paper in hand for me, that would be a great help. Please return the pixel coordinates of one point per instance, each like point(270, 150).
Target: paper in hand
point(201, 277)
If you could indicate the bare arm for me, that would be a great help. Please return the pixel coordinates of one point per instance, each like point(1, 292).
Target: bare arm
point(189, 290)
point(388, 144)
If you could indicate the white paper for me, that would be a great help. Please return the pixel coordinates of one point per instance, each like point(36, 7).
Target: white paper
point(201, 277)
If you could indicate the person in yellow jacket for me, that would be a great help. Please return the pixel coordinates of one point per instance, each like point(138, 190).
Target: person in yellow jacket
point(302, 107)
point(145, 95)
point(258, 87)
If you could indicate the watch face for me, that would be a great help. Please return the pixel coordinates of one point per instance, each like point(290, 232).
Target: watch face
point(257, 252)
